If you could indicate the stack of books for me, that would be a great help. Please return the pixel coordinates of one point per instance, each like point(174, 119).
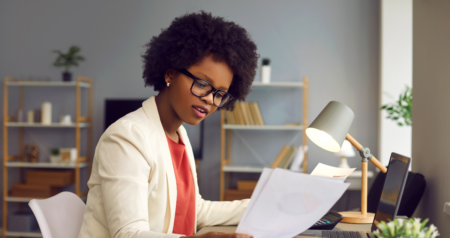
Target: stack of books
point(43, 183)
point(244, 190)
point(245, 113)
point(285, 157)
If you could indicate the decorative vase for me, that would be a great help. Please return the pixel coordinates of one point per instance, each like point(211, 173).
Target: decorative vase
point(34, 154)
point(67, 77)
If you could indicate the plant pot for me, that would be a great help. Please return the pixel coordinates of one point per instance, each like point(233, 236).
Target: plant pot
point(55, 159)
point(67, 77)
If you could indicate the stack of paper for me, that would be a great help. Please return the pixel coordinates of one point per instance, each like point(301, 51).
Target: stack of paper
point(324, 170)
point(285, 203)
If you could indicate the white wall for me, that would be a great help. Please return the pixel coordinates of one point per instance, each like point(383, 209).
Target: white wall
point(334, 43)
point(395, 74)
point(431, 107)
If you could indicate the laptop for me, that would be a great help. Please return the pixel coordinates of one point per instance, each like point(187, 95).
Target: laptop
point(387, 207)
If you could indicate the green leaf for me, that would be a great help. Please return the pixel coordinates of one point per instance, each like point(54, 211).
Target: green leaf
point(424, 223)
point(68, 59)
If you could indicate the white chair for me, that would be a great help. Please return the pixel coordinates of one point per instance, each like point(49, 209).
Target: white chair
point(60, 215)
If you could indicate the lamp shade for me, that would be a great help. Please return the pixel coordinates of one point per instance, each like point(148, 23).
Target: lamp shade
point(330, 128)
point(346, 150)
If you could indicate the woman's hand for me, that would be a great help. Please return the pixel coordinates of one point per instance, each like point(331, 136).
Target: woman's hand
point(221, 235)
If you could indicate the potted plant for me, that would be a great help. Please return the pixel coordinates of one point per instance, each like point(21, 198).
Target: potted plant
point(400, 111)
point(54, 157)
point(408, 228)
point(67, 60)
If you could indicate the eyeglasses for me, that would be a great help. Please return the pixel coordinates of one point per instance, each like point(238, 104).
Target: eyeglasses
point(202, 88)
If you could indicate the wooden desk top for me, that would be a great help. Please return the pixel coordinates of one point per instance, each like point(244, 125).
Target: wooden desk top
point(340, 227)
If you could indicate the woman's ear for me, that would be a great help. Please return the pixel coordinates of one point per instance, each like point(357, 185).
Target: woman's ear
point(169, 75)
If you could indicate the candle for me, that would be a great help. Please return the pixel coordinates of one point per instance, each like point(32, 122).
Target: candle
point(46, 116)
point(30, 116)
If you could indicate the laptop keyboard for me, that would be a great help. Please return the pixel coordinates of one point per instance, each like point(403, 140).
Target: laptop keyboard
point(341, 234)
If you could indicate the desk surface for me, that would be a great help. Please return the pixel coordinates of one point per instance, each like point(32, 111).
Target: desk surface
point(340, 227)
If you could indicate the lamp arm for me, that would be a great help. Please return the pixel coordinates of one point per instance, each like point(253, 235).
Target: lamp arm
point(365, 153)
point(378, 164)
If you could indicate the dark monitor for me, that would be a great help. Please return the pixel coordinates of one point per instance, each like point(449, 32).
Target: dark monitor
point(392, 190)
point(117, 108)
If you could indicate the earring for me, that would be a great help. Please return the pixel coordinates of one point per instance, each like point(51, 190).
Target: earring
point(168, 83)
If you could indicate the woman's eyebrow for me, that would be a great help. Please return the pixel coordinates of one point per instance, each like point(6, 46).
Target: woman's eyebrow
point(204, 76)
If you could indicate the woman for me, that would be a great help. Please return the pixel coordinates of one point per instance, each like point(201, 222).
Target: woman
point(143, 181)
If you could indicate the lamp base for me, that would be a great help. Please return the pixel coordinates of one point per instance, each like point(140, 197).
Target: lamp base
point(357, 217)
point(344, 163)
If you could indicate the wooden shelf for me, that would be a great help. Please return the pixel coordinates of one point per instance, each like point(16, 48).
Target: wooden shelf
point(226, 134)
point(242, 169)
point(45, 165)
point(81, 85)
point(53, 125)
point(259, 169)
point(279, 84)
point(48, 83)
point(23, 234)
point(265, 127)
point(19, 199)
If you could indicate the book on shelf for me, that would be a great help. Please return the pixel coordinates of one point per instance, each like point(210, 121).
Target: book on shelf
point(246, 108)
point(286, 162)
point(238, 114)
point(259, 117)
point(236, 194)
point(246, 184)
point(245, 113)
point(230, 117)
point(276, 162)
point(298, 158)
point(287, 156)
point(292, 124)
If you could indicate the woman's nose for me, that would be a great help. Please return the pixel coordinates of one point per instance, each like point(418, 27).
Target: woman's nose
point(209, 99)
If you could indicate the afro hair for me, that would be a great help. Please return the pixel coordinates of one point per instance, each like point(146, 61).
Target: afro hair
point(191, 37)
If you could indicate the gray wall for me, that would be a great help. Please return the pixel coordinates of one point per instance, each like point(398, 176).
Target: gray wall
point(333, 43)
point(431, 114)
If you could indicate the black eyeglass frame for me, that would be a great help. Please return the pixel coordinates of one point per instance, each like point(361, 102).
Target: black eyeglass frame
point(213, 89)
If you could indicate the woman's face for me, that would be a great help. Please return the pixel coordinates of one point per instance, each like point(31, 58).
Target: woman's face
point(190, 108)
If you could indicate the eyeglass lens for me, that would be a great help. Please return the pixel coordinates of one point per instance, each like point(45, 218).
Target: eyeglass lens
point(201, 88)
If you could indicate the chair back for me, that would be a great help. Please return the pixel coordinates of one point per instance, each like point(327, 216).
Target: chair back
point(59, 216)
point(412, 193)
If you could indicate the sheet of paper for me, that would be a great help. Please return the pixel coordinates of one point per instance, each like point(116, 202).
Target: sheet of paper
point(286, 203)
point(259, 186)
point(331, 172)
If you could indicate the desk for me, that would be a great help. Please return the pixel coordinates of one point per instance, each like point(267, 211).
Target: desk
point(340, 227)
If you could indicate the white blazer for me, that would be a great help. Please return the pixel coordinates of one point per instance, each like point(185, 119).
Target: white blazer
point(133, 190)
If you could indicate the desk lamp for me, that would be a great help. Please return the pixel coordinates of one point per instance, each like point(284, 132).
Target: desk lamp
point(328, 131)
point(345, 152)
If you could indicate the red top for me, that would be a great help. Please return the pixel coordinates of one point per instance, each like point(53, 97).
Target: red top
point(185, 209)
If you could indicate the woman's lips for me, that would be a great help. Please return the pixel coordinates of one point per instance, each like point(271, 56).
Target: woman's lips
point(198, 112)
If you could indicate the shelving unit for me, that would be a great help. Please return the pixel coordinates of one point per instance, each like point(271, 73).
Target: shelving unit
point(226, 135)
point(271, 127)
point(15, 161)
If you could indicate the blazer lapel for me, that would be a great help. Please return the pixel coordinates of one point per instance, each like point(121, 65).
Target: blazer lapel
point(151, 110)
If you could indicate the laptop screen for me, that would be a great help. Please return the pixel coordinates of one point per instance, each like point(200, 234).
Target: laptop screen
point(392, 190)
